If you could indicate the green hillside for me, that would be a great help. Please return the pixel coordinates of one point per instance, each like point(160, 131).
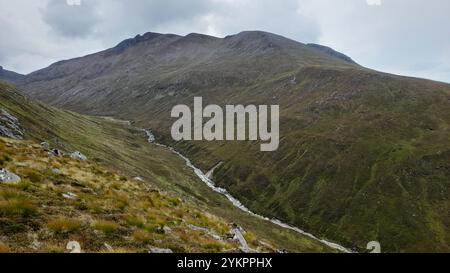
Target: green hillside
point(159, 209)
point(363, 154)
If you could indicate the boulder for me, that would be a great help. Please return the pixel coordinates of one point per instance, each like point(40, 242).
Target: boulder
point(238, 236)
point(70, 195)
point(45, 146)
point(10, 126)
point(167, 229)
point(150, 136)
point(55, 152)
point(155, 250)
point(56, 171)
point(74, 247)
point(108, 247)
point(9, 177)
point(78, 156)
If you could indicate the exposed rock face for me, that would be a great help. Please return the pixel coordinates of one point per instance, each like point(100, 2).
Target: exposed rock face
point(78, 156)
point(10, 126)
point(124, 45)
point(9, 177)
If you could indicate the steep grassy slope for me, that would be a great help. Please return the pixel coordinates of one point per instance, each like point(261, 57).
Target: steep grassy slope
point(95, 206)
point(363, 154)
point(126, 150)
point(362, 160)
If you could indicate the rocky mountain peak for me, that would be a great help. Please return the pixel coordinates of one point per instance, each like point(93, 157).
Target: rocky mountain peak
point(197, 37)
point(122, 46)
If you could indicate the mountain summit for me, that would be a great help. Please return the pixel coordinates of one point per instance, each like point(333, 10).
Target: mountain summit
point(152, 59)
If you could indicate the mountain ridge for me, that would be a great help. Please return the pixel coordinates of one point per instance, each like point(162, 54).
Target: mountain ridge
point(351, 137)
point(10, 76)
point(241, 37)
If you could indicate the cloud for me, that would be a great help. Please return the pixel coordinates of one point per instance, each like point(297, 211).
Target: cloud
point(69, 19)
point(400, 36)
point(123, 19)
point(374, 2)
point(27, 43)
point(280, 17)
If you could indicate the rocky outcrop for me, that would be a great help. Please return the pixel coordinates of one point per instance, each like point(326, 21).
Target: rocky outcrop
point(8, 177)
point(150, 136)
point(56, 152)
point(10, 126)
point(124, 45)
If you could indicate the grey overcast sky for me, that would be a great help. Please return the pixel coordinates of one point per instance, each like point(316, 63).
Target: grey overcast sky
point(408, 37)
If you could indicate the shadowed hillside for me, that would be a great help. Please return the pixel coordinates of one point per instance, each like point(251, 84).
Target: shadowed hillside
point(9, 76)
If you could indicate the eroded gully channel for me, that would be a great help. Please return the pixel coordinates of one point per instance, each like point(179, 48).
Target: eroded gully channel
point(204, 177)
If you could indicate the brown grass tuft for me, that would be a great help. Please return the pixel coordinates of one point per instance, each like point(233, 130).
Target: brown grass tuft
point(64, 225)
